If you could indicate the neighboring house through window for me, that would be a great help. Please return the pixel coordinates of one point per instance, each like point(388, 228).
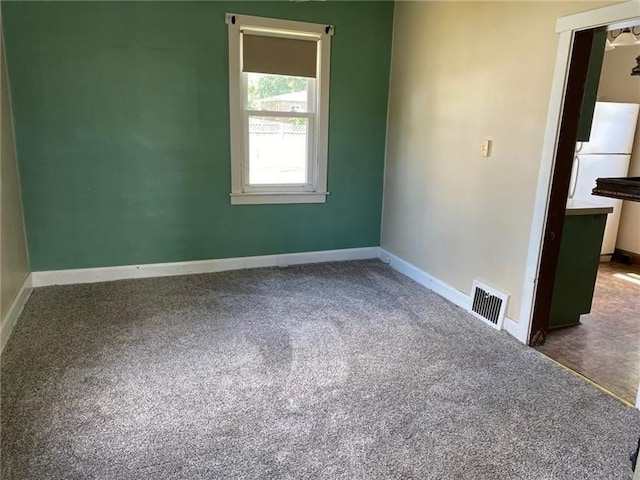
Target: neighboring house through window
point(279, 110)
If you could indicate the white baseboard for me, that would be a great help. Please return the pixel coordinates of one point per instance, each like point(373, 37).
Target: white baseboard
point(12, 315)
point(105, 274)
point(517, 329)
point(455, 296)
point(426, 280)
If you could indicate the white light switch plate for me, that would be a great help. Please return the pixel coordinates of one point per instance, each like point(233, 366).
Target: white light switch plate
point(486, 148)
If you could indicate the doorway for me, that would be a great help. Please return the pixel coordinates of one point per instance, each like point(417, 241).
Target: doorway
point(605, 345)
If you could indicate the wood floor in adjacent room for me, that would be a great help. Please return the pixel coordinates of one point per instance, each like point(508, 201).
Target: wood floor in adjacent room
point(605, 347)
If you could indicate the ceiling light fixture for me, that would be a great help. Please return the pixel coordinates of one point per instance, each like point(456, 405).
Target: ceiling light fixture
point(626, 37)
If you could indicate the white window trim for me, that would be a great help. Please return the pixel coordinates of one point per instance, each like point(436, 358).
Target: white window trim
point(316, 190)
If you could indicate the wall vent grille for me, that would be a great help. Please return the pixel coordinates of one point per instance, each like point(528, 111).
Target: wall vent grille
point(488, 304)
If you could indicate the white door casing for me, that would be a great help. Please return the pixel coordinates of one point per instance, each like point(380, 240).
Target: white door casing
point(566, 28)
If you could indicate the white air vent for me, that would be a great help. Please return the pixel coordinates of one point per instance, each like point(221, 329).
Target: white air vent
point(488, 304)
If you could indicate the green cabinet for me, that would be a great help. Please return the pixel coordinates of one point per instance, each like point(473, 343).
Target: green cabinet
point(591, 84)
point(577, 268)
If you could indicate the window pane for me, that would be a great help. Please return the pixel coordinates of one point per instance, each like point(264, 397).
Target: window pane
point(277, 150)
point(278, 93)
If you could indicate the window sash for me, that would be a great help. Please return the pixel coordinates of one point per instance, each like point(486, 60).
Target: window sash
point(273, 113)
point(310, 164)
point(311, 183)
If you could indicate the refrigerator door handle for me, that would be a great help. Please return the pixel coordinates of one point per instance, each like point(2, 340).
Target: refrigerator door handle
point(574, 176)
point(578, 146)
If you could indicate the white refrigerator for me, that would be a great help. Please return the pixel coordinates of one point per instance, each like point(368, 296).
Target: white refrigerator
point(606, 154)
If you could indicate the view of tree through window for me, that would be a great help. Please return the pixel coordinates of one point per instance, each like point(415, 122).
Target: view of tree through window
point(260, 86)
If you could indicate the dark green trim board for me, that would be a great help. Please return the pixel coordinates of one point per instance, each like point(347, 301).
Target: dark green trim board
point(592, 83)
point(122, 124)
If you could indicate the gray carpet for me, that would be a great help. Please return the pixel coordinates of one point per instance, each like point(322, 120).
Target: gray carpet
point(341, 370)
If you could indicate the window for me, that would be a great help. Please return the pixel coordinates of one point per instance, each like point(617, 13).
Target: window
point(279, 110)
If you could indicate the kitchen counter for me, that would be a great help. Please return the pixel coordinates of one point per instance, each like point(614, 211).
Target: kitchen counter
point(580, 207)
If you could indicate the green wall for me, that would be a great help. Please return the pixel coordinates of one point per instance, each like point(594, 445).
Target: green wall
point(122, 122)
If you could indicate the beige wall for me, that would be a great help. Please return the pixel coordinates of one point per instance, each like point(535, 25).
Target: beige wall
point(617, 85)
point(14, 266)
point(462, 72)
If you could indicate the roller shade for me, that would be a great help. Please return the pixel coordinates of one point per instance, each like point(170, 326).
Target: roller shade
point(279, 56)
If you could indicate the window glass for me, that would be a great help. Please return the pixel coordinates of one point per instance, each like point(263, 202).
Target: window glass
point(278, 93)
point(278, 150)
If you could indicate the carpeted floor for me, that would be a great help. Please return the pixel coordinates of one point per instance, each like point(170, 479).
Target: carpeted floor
point(332, 371)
